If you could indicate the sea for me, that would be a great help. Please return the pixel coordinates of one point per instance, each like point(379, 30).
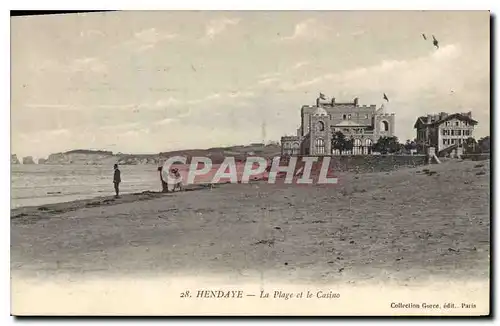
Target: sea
point(39, 184)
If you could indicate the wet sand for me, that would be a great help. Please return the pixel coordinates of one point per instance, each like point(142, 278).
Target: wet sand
point(402, 226)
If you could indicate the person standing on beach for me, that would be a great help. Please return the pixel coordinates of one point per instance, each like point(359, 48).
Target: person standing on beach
point(116, 180)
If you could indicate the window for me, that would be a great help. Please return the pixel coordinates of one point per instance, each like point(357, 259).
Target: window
point(384, 126)
point(459, 132)
point(349, 117)
point(453, 132)
point(357, 149)
point(320, 146)
point(444, 132)
point(343, 117)
point(444, 141)
point(366, 116)
point(321, 126)
point(457, 123)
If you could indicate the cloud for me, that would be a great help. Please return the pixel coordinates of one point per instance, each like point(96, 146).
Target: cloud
point(223, 96)
point(240, 94)
point(271, 78)
point(87, 64)
point(358, 33)
point(151, 35)
point(117, 106)
point(307, 29)
point(123, 126)
point(170, 101)
point(217, 26)
point(148, 39)
point(48, 106)
point(165, 121)
point(300, 64)
point(58, 132)
point(136, 132)
point(270, 74)
point(398, 75)
point(267, 81)
point(91, 33)
point(84, 64)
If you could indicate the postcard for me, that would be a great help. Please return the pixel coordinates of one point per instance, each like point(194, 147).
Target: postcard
point(250, 163)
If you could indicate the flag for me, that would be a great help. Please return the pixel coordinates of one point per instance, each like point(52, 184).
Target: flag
point(322, 96)
point(385, 98)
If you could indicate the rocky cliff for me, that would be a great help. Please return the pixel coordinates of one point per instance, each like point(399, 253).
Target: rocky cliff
point(14, 159)
point(82, 157)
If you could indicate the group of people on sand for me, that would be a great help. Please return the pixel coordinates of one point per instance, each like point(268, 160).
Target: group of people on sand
point(174, 172)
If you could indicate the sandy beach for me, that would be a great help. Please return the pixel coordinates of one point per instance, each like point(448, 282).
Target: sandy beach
point(378, 239)
point(401, 226)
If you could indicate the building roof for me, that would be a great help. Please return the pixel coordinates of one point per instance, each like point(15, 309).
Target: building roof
point(424, 120)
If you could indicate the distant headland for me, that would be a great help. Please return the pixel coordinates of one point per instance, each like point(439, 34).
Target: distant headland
point(102, 157)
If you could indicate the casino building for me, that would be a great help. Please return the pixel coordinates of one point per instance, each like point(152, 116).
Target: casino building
point(364, 124)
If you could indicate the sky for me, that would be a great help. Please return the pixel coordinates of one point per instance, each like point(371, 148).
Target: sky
point(151, 81)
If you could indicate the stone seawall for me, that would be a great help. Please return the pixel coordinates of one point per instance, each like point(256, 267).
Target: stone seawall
point(366, 163)
point(476, 157)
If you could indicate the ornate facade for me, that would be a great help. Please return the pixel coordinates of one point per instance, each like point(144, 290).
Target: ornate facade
point(319, 123)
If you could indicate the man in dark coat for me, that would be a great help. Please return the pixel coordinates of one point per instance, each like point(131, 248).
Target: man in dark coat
point(116, 180)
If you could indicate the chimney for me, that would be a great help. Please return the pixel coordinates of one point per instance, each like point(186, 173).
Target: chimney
point(333, 101)
point(442, 115)
point(356, 101)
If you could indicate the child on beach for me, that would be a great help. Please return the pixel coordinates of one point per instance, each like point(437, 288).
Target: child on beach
point(178, 183)
point(116, 180)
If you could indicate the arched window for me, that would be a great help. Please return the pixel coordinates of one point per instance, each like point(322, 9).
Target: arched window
point(287, 148)
point(295, 149)
point(368, 146)
point(320, 146)
point(356, 147)
point(384, 126)
point(321, 126)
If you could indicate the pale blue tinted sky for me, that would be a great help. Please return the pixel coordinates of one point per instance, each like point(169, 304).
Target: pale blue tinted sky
point(145, 82)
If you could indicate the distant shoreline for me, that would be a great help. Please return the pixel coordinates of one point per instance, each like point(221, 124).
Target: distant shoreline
point(102, 157)
point(44, 211)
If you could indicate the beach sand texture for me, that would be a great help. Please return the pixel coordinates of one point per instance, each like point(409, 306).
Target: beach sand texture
point(403, 226)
